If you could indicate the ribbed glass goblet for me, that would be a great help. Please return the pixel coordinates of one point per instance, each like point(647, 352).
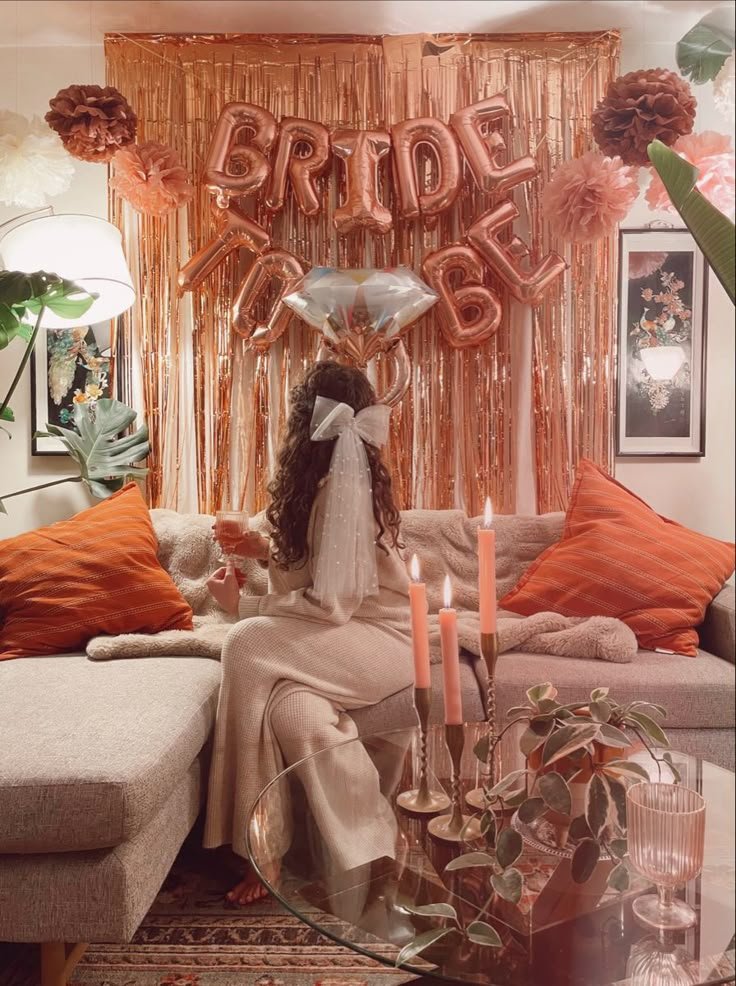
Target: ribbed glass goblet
point(666, 831)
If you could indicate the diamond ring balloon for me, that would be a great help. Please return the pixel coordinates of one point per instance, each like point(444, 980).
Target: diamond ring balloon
point(361, 313)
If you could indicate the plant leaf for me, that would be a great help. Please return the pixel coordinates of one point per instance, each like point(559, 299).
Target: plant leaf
point(579, 828)
point(554, 789)
point(7, 415)
point(531, 810)
point(535, 734)
point(2, 508)
point(703, 50)
point(507, 782)
point(104, 460)
point(482, 748)
point(650, 727)
point(619, 848)
point(584, 860)
point(601, 710)
point(619, 878)
point(418, 944)
point(597, 805)
point(650, 708)
point(469, 859)
point(626, 768)
point(434, 911)
point(598, 694)
point(711, 230)
point(539, 692)
point(617, 792)
point(567, 739)
point(509, 885)
point(612, 736)
point(509, 847)
point(483, 934)
point(676, 775)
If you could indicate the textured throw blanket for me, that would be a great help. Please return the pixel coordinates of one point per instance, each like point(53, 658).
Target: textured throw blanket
point(446, 543)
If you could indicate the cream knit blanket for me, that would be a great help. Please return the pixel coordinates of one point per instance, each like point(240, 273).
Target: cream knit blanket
point(445, 541)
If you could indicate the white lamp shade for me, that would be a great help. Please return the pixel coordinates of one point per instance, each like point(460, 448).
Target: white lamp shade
point(662, 362)
point(83, 249)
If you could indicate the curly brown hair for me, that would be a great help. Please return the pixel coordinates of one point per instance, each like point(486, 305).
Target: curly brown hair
point(302, 464)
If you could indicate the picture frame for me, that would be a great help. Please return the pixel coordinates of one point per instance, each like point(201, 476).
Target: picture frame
point(660, 378)
point(67, 366)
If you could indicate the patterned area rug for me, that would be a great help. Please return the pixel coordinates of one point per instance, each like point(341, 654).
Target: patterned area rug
point(192, 937)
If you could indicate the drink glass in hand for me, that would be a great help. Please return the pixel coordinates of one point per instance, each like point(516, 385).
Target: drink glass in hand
point(666, 832)
point(231, 526)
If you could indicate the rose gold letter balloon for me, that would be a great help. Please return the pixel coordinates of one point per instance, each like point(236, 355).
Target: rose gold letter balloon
point(528, 284)
point(301, 170)
point(482, 152)
point(407, 136)
point(234, 231)
point(252, 163)
point(458, 327)
point(279, 265)
point(361, 150)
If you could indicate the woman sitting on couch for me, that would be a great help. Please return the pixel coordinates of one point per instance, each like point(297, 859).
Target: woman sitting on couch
point(332, 634)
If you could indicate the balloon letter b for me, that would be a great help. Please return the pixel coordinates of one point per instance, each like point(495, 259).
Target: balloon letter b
point(285, 268)
point(526, 283)
point(301, 170)
point(251, 159)
point(458, 327)
point(436, 135)
point(481, 152)
point(361, 150)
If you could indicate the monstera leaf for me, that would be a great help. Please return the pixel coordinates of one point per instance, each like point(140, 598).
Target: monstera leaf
point(705, 47)
point(104, 460)
point(712, 231)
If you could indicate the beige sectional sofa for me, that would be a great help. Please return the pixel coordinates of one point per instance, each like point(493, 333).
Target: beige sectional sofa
point(102, 768)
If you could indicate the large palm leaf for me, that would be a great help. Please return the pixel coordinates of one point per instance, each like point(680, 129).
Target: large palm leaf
point(104, 460)
point(712, 231)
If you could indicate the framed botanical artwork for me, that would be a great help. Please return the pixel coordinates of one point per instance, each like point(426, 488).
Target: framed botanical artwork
point(661, 344)
point(68, 367)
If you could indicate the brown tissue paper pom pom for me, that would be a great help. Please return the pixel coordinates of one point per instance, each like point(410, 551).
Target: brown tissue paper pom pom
point(642, 106)
point(92, 121)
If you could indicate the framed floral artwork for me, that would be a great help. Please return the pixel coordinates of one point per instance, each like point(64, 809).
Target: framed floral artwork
point(661, 344)
point(68, 367)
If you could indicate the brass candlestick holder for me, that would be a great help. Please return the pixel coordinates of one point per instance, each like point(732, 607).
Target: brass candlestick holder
point(455, 827)
point(489, 653)
point(422, 799)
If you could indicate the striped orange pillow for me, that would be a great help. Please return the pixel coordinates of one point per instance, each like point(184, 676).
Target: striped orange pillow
point(96, 573)
point(617, 557)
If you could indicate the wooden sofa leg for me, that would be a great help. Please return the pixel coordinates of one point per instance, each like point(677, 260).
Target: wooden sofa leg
point(58, 961)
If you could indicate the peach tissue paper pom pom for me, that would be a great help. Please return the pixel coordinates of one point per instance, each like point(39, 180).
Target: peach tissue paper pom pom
point(587, 197)
point(712, 154)
point(643, 263)
point(151, 178)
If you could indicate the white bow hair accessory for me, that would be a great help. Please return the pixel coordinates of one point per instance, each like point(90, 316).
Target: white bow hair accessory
point(346, 554)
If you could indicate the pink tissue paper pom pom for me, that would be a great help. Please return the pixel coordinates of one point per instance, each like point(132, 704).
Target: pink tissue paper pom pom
point(587, 197)
point(151, 177)
point(712, 154)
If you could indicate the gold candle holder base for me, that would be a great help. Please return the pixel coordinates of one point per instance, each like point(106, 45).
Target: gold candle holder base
point(489, 653)
point(423, 800)
point(455, 827)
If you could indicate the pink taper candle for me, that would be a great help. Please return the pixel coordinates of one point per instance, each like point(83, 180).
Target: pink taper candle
point(450, 659)
point(419, 629)
point(487, 571)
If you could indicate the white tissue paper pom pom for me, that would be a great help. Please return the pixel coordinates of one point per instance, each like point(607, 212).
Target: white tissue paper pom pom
point(34, 164)
point(724, 88)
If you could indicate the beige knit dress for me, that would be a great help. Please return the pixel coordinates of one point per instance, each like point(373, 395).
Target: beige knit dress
point(290, 671)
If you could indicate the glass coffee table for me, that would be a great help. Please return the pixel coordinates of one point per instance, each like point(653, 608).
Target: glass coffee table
point(359, 883)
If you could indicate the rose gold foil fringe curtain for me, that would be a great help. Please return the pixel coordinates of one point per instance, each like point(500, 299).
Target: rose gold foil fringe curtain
point(215, 409)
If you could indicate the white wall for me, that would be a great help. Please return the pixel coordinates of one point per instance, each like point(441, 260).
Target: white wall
point(47, 44)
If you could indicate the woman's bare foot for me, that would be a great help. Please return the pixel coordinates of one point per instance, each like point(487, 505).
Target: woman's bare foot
point(251, 889)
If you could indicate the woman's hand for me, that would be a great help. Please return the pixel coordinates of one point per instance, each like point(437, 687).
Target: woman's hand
point(251, 545)
point(225, 585)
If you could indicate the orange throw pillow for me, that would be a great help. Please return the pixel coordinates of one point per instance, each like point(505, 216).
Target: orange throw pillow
point(96, 573)
point(617, 557)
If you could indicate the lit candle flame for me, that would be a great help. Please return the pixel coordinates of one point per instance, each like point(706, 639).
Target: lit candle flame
point(448, 592)
point(488, 513)
point(414, 568)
